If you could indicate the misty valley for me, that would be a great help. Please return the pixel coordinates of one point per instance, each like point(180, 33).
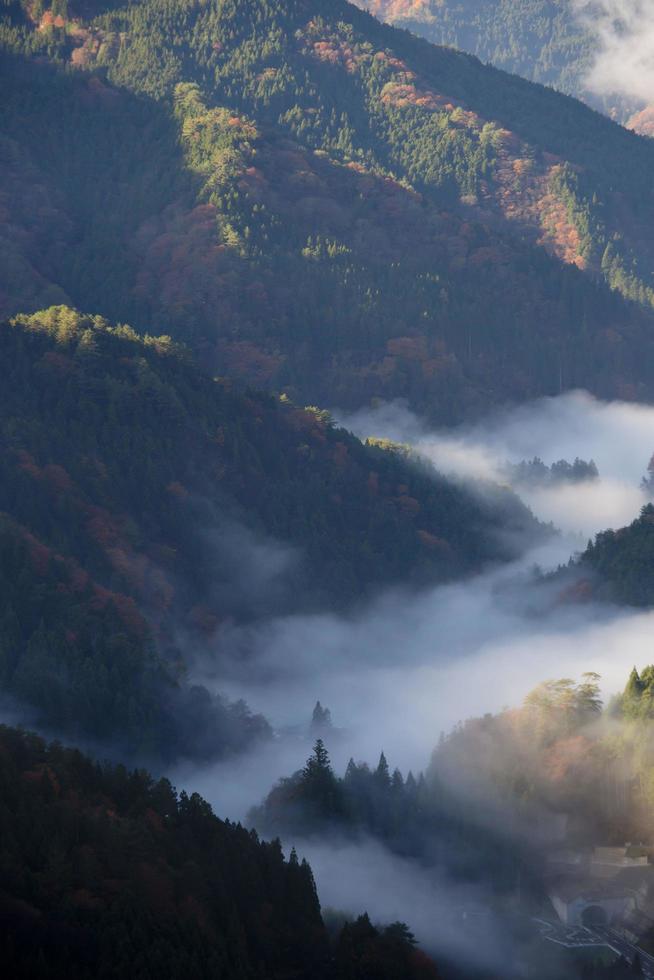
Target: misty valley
point(326, 490)
point(481, 767)
point(437, 780)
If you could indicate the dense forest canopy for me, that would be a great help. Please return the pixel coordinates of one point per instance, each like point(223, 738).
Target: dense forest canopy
point(534, 472)
point(621, 562)
point(543, 40)
point(273, 210)
point(323, 205)
point(109, 873)
point(590, 51)
point(144, 505)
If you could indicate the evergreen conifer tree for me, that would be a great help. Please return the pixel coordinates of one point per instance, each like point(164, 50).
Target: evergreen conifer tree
point(382, 772)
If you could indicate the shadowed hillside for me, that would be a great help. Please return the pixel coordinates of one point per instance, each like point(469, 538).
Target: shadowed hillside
point(321, 204)
point(147, 507)
point(109, 873)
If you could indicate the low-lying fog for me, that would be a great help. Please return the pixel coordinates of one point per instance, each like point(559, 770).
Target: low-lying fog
point(410, 666)
point(623, 31)
point(618, 436)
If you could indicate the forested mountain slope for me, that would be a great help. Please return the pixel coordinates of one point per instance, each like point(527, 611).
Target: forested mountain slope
point(546, 41)
point(107, 873)
point(643, 121)
point(143, 505)
point(324, 205)
point(621, 563)
point(538, 39)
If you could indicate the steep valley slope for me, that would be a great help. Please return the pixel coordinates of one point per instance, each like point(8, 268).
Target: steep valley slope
point(323, 205)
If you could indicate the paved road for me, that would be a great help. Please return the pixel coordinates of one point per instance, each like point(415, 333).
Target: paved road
point(580, 937)
point(627, 949)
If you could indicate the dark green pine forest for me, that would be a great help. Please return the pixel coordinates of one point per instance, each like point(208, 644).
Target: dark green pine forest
point(108, 873)
point(619, 564)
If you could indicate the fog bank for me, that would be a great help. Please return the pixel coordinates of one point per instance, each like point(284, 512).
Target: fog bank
point(408, 666)
point(624, 31)
point(618, 436)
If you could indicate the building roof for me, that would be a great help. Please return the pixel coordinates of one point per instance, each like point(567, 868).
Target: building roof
point(607, 861)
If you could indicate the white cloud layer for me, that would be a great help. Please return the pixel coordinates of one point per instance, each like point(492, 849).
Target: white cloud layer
point(618, 436)
point(398, 672)
point(624, 31)
point(407, 667)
